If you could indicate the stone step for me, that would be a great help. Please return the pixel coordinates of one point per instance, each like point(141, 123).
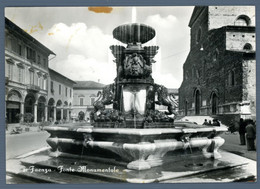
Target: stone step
point(53, 177)
point(181, 170)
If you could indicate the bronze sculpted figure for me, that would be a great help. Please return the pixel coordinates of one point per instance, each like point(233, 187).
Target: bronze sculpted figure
point(104, 98)
point(164, 98)
point(135, 66)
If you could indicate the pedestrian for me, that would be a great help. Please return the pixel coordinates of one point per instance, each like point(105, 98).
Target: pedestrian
point(242, 131)
point(215, 122)
point(232, 127)
point(205, 122)
point(210, 122)
point(6, 123)
point(250, 135)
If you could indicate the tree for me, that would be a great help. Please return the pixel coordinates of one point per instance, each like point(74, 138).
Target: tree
point(19, 117)
point(81, 115)
point(28, 117)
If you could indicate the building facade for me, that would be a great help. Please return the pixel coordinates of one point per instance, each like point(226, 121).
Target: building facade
point(219, 74)
point(26, 74)
point(31, 87)
point(60, 97)
point(84, 95)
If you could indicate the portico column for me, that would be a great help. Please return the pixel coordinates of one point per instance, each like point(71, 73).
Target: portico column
point(68, 114)
point(35, 113)
point(22, 110)
point(61, 112)
point(54, 113)
point(46, 113)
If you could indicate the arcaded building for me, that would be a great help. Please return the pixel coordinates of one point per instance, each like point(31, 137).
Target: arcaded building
point(219, 74)
point(31, 86)
point(26, 74)
point(60, 96)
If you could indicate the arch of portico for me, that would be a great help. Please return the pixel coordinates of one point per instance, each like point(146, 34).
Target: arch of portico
point(41, 109)
point(51, 110)
point(59, 110)
point(14, 106)
point(66, 111)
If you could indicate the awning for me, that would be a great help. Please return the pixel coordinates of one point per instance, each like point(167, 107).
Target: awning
point(13, 105)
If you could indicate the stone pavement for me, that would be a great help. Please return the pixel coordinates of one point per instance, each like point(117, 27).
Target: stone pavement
point(37, 128)
point(232, 145)
point(231, 139)
point(24, 129)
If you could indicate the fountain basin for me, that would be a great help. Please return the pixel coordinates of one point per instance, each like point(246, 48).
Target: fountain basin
point(134, 33)
point(141, 149)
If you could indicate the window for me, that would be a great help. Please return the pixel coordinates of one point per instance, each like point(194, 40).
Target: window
point(8, 42)
point(70, 92)
point(31, 77)
point(20, 49)
point(247, 47)
point(231, 78)
point(27, 52)
point(215, 55)
point(44, 83)
point(39, 81)
point(20, 74)
point(59, 89)
point(186, 75)
point(39, 59)
point(193, 72)
point(44, 63)
point(197, 74)
point(10, 71)
point(52, 89)
point(92, 100)
point(198, 36)
point(30, 54)
point(242, 20)
point(81, 101)
point(204, 68)
point(14, 45)
point(66, 91)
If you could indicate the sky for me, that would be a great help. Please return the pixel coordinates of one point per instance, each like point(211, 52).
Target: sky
point(80, 37)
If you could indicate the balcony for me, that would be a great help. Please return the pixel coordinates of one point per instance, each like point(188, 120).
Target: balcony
point(33, 88)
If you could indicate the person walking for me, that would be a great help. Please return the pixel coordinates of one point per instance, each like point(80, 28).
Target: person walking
point(242, 131)
point(250, 135)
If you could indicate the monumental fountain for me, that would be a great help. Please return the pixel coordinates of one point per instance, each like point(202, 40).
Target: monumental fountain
point(144, 144)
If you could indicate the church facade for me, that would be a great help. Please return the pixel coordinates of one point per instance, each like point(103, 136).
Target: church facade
point(219, 74)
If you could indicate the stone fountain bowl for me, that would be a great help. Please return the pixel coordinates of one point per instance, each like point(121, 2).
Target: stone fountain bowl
point(141, 148)
point(134, 33)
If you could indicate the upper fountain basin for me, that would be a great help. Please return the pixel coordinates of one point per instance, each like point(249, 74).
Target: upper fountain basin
point(134, 33)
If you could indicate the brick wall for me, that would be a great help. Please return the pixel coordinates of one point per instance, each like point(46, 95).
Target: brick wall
point(220, 16)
